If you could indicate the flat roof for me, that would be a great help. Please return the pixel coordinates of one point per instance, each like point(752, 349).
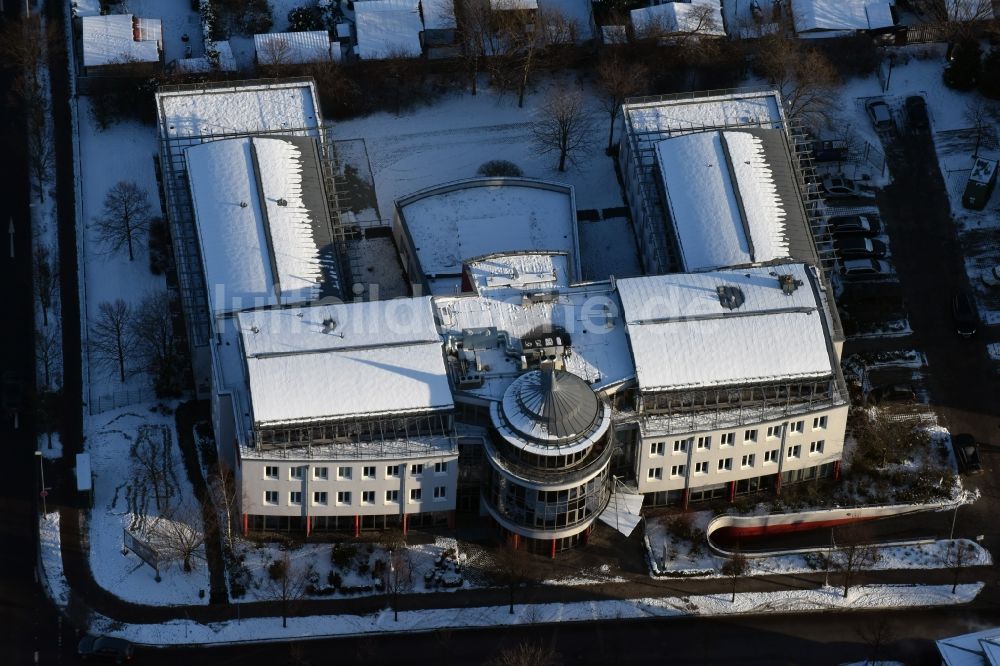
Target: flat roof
point(523, 270)
point(449, 224)
point(119, 38)
point(245, 108)
point(290, 48)
point(682, 336)
point(728, 202)
point(263, 227)
point(679, 17)
point(840, 15)
point(657, 118)
point(388, 29)
point(338, 361)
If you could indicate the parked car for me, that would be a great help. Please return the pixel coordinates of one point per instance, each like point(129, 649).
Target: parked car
point(865, 269)
point(880, 115)
point(916, 113)
point(892, 393)
point(837, 187)
point(843, 226)
point(117, 650)
point(859, 247)
point(964, 314)
point(967, 452)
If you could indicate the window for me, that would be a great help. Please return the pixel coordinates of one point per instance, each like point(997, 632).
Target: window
point(415, 494)
point(794, 451)
point(321, 473)
point(701, 467)
point(816, 447)
point(747, 460)
point(441, 468)
point(704, 442)
point(391, 496)
point(440, 492)
point(773, 431)
point(343, 472)
point(271, 472)
point(368, 472)
point(392, 470)
point(271, 497)
point(344, 497)
point(799, 426)
point(749, 436)
point(368, 497)
point(726, 465)
point(678, 470)
point(298, 473)
point(657, 448)
point(728, 439)
point(416, 469)
point(654, 473)
point(681, 445)
point(319, 497)
point(295, 498)
point(819, 423)
point(771, 456)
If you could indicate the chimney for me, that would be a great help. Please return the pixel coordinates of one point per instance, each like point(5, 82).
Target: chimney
point(788, 283)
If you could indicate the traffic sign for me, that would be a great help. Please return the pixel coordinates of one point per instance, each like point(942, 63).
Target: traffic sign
point(44, 493)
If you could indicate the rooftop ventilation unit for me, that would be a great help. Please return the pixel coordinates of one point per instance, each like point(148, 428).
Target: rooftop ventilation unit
point(531, 298)
point(730, 297)
point(329, 325)
point(788, 283)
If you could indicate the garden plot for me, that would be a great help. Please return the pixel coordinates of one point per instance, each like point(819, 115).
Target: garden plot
point(353, 569)
point(140, 485)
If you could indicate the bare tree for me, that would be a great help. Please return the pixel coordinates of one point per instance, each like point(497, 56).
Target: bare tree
point(876, 632)
point(111, 337)
point(46, 279)
point(512, 567)
point(125, 218)
point(977, 114)
point(475, 28)
point(882, 439)
point(526, 654)
point(41, 151)
point(735, 567)
point(959, 19)
point(397, 577)
point(150, 454)
point(958, 554)
point(274, 52)
point(564, 125)
point(288, 582)
point(519, 40)
point(153, 330)
point(803, 75)
point(48, 351)
point(617, 80)
point(225, 496)
point(856, 553)
point(177, 536)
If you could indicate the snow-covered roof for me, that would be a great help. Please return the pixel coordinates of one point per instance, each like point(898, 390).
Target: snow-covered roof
point(981, 648)
point(702, 17)
point(654, 119)
point(388, 29)
point(841, 15)
point(262, 223)
point(505, 5)
point(86, 7)
point(588, 315)
point(120, 38)
point(292, 48)
point(522, 270)
point(227, 62)
point(722, 199)
point(448, 224)
point(330, 362)
point(577, 12)
point(682, 337)
point(438, 14)
point(237, 109)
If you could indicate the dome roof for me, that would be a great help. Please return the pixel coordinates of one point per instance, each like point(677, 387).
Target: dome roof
point(555, 404)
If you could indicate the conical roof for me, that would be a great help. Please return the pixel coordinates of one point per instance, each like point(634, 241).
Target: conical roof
point(558, 401)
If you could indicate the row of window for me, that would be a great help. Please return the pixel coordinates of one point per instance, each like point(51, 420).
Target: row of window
point(298, 472)
point(321, 497)
point(726, 464)
point(704, 443)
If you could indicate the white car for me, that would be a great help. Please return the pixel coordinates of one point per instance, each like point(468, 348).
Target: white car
point(865, 269)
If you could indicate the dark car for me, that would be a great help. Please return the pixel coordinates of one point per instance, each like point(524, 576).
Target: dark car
point(854, 225)
point(916, 113)
point(859, 247)
point(117, 650)
point(967, 451)
point(837, 187)
point(964, 314)
point(892, 393)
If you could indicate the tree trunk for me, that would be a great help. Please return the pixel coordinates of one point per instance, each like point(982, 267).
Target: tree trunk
point(511, 599)
point(131, 256)
point(611, 134)
point(562, 163)
point(187, 563)
point(734, 591)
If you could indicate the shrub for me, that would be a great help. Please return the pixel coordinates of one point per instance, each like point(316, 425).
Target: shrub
point(333, 579)
point(680, 526)
point(342, 555)
point(276, 570)
point(302, 19)
point(497, 168)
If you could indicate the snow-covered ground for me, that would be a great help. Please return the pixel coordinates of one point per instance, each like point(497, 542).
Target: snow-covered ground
point(50, 445)
point(52, 578)
point(120, 494)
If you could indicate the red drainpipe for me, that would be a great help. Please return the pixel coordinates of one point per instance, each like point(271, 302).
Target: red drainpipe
point(357, 526)
point(684, 499)
point(309, 524)
point(246, 524)
point(836, 471)
point(553, 549)
point(732, 491)
point(404, 524)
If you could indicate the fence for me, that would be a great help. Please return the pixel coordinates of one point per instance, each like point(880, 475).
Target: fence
point(120, 398)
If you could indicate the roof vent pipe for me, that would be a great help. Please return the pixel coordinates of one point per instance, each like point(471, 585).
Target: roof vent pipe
point(788, 283)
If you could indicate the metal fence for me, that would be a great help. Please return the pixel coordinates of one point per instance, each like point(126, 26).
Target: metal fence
point(120, 398)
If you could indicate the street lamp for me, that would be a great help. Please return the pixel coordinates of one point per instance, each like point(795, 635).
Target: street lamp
point(44, 492)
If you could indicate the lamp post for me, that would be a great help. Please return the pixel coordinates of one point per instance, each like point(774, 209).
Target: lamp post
point(44, 492)
point(954, 517)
